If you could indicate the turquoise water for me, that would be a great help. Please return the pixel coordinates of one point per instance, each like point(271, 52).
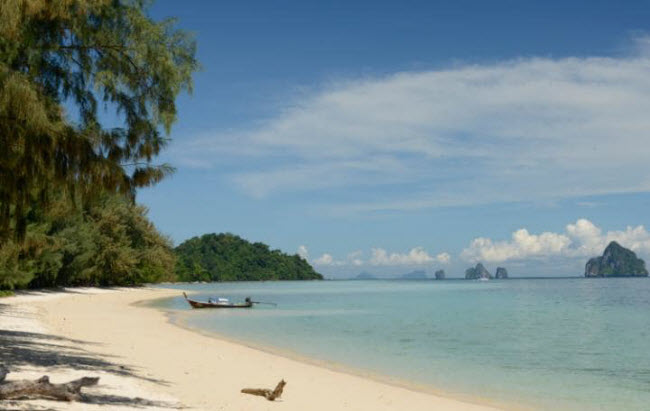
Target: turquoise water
point(545, 343)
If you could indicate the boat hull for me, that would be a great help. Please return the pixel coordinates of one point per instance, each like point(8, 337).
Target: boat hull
point(200, 304)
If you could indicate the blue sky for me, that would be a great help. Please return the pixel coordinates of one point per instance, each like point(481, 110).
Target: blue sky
point(392, 136)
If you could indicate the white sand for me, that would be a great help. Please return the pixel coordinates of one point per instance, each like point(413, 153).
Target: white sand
point(146, 362)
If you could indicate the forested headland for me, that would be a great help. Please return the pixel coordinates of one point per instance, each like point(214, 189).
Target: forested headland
point(227, 257)
point(88, 94)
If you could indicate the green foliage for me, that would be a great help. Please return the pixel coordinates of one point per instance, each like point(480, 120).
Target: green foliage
point(227, 257)
point(111, 242)
point(16, 265)
point(83, 54)
point(6, 293)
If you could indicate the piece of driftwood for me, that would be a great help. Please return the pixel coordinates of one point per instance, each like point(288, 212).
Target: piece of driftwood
point(268, 394)
point(42, 388)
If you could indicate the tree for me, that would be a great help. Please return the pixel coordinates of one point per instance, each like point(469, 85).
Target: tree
point(110, 242)
point(59, 62)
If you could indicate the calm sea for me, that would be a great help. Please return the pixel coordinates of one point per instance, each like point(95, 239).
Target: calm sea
point(545, 343)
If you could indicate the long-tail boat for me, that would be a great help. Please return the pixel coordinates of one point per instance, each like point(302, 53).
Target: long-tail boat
point(218, 304)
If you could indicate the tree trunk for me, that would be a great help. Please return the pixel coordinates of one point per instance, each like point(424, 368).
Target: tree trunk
point(42, 388)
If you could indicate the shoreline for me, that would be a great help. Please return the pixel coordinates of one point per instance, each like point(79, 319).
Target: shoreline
point(174, 318)
point(176, 363)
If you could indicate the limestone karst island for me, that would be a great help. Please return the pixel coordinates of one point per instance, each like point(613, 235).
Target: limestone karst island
point(616, 261)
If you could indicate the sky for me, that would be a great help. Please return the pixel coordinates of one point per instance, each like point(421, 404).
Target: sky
point(388, 137)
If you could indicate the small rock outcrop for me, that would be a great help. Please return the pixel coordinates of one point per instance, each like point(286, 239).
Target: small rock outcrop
point(440, 275)
point(501, 273)
point(474, 273)
point(616, 261)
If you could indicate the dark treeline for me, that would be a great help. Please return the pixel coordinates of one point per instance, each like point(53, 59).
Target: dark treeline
point(68, 182)
point(109, 242)
point(227, 257)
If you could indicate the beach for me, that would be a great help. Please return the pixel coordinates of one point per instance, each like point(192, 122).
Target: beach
point(145, 361)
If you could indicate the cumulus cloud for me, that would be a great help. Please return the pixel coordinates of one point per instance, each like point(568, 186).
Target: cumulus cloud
point(580, 239)
point(535, 128)
point(381, 257)
point(416, 256)
point(355, 258)
point(303, 252)
point(325, 259)
point(443, 258)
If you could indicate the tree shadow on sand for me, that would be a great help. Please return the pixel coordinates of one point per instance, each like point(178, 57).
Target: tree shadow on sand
point(111, 400)
point(29, 349)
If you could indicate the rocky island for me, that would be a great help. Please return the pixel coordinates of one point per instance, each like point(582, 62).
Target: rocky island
point(501, 273)
point(616, 261)
point(474, 273)
point(440, 275)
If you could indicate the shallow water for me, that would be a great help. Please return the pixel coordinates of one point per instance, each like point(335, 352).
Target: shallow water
point(546, 343)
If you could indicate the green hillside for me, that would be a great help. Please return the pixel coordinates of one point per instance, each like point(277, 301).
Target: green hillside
point(227, 257)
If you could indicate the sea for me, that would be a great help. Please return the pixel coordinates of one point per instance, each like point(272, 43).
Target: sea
point(544, 343)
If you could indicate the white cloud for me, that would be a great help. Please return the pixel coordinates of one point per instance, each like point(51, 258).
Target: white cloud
point(303, 252)
point(581, 239)
point(416, 256)
point(523, 245)
point(443, 258)
point(526, 129)
point(354, 258)
point(381, 257)
point(325, 259)
point(636, 238)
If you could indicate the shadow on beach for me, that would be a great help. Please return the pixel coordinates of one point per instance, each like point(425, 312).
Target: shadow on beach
point(101, 400)
point(31, 349)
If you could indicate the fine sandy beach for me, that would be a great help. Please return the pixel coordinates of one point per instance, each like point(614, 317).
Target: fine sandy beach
point(146, 362)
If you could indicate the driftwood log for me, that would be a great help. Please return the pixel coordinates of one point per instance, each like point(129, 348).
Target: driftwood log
point(42, 388)
point(266, 393)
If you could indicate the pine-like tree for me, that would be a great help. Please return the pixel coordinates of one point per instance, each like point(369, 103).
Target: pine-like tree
point(60, 61)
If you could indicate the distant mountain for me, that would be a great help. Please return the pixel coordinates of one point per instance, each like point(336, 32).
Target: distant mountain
point(414, 275)
point(365, 276)
point(616, 261)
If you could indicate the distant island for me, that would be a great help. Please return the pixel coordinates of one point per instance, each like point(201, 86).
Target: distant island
point(365, 276)
point(475, 273)
point(616, 261)
point(227, 257)
point(440, 275)
point(414, 275)
point(479, 272)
